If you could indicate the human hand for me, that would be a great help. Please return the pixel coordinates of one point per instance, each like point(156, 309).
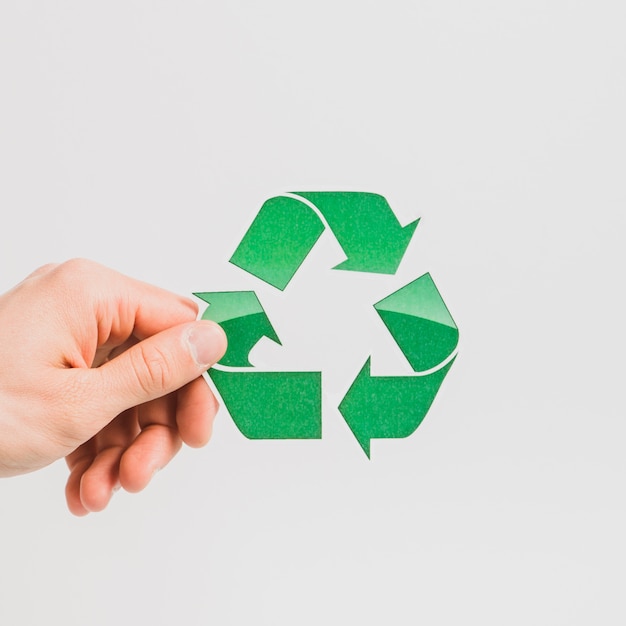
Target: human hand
point(105, 371)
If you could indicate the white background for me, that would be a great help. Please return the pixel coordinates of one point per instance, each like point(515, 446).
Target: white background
point(146, 135)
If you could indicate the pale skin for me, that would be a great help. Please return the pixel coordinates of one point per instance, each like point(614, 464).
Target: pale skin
point(104, 371)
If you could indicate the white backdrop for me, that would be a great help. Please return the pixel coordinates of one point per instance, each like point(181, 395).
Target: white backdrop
point(146, 135)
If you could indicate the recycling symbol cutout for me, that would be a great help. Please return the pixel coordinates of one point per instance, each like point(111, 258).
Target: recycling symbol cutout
point(281, 236)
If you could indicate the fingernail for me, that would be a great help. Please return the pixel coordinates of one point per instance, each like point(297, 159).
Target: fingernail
point(207, 343)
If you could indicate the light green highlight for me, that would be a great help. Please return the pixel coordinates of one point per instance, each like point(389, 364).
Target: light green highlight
point(243, 319)
point(420, 323)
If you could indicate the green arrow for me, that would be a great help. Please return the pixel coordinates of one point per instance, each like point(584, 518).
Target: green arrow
point(420, 322)
point(243, 319)
point(286, 229)
point(279, 239)
point(365, 227)
point(394, 406)
point(382, 407)
point(263, 405)
point(272, 405)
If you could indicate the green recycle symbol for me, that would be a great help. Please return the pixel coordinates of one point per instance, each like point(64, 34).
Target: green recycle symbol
point(288, 405)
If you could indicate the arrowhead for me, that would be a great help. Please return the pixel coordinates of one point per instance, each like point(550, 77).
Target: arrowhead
point(365, 227)
point(356, 409)
point(382, 253)
point(388, 407)
point(243, 319)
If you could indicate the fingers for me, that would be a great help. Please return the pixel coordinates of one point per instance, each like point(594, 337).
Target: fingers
point(72, 488)
point(134, 446)
point(128, 305)
point(100, 479)
point(94, 479)
point(132, 345)
point(150, 369)
point(78, 462)
point(150, 452)
point(155, 309)
point(157, 443)
point(119, 306)
point(197, 407)
point(166, 423)
point(94, 466)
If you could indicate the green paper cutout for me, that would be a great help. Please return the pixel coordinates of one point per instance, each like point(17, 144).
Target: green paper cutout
point(273, 405)
point(287, 405)
point(260, 403)
point(383, 407)
point(365, 227)
point(420, 322)
point(286, 229)
point(388, 407)
point(279, 239)
point(243, 319)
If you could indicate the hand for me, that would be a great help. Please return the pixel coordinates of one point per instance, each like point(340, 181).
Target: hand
point(105, 371)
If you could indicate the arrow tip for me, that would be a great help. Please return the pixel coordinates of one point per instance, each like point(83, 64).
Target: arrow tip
point(409, 229)
point(383, 254)
point(365, 444)
point(270, 333)
point(351, 408)
point(203, 295)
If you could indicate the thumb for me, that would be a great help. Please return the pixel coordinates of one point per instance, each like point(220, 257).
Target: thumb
point(160, 364)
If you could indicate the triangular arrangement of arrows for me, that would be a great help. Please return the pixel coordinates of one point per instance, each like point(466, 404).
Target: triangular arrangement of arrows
point(287, 405)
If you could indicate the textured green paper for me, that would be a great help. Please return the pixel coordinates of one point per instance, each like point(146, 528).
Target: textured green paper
point(378, 407)
point(286, 229)
point(420, 322)
point(281, 236)
point(288, 405)
point(273, 405)
point(388, 407)
point(263, 405)
point(365, 227)
point(243, 319)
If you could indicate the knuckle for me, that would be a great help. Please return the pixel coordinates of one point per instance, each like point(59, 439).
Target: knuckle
point(151, 367)
point(80, 268)
point(70, 276)
point(43, 269)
